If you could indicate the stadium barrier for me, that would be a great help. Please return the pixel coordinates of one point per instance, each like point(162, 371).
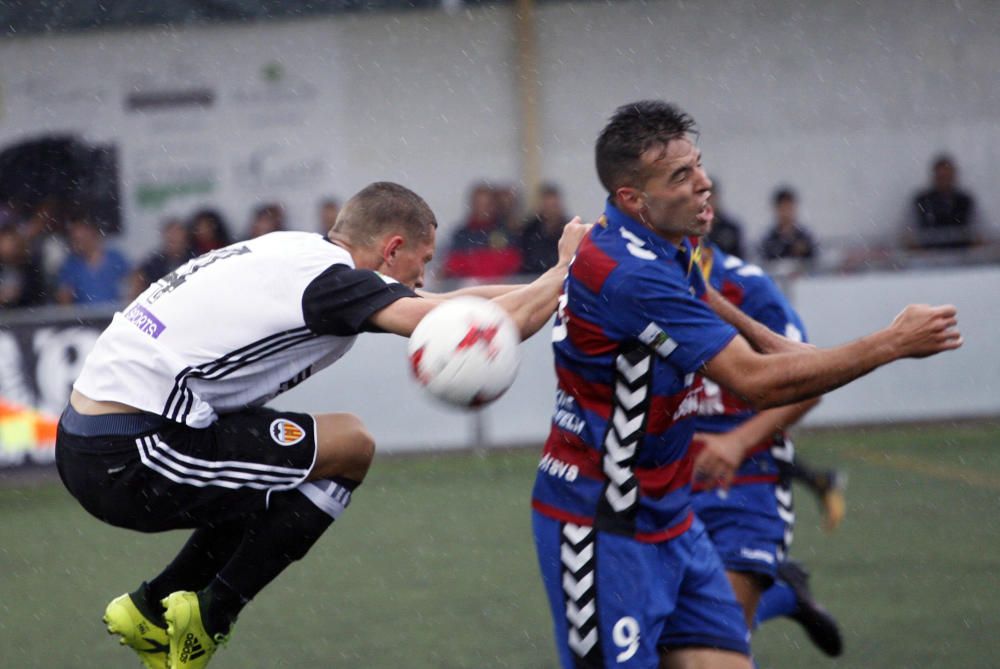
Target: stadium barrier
point(41, 352)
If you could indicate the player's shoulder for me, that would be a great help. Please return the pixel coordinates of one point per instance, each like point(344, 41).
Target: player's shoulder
point(300, 247)
point(616, 249)
point(751, 277)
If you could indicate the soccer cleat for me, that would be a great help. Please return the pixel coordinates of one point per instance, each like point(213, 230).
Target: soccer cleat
point(136, 631)
point(191, 646)
point(821, 627)
point(830, 488)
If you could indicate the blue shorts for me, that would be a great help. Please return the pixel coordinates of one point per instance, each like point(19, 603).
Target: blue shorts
point(616, 602)
point(750, 525)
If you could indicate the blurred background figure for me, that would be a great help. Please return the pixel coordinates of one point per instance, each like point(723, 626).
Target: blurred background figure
point(174, 251)
point(269, 217)
point(943, 214)
point(539, 235)
point(44, 232)
point(328, 211)
point(509, 210)
point(209, 231)
point(93, 273)
point(727, 232)
point(788, 239)
point(481, 247)
point(21, 284)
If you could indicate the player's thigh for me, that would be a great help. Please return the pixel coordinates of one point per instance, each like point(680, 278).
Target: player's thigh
point(707, 614)
point(704, 658)
point(746, 528)
point(748, 588)
point(608, 594)
point(344, 447)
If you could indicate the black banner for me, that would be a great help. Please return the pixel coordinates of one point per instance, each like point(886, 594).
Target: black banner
point(41, 354)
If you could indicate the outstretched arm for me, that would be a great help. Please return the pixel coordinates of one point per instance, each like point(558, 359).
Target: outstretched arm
point(529, 305)
point(723, 453)
point(782, 378)
point(760, 336)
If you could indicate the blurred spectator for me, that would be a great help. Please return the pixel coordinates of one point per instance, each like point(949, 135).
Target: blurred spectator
point(328, 211)
point(481, 248)
point(266, 218)
point(209, 231)
point(509, 210)
point(93, 273)
point(21, 285)
point(540, 232)
point(943, 215)
point(788, 239)
point(727, 232)
point(174, 251)
point(44, 233)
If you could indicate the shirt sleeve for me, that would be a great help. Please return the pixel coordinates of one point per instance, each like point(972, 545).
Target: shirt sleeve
point(342, 299)
point(768, 306)
point(659, 309)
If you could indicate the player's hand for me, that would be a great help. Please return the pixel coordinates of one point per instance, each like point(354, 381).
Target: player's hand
point(572, 234)
point(718, 460)
point(922, 330)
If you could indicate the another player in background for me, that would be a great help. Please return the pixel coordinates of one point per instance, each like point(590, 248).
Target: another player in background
point(166, 427)
point(742, 479)
point(632, 577)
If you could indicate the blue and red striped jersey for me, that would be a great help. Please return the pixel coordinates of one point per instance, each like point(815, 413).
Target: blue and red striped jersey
point(631, 331)
point(748, 287)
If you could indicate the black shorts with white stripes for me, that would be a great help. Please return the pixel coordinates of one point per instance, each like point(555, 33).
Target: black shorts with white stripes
point(152, 474)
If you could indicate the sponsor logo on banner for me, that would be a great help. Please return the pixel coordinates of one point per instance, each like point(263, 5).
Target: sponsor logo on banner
point(275, 86)
point(286, 433)
point(274, 167)
point(176, 87)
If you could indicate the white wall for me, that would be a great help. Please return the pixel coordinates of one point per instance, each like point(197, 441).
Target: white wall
point(373, 380)
point(847, 101)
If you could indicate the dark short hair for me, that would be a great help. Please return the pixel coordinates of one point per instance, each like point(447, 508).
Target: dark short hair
point(548, 188)
point(631, 131)
point(381, 207)
point(943, 159)
point(784, 194)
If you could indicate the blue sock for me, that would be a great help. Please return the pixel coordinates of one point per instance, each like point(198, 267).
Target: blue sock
point(778, 600)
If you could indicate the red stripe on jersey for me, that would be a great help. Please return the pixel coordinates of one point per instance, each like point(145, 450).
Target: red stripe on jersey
point(560, 515)
point(587, 337)
point(595, 397)
point(655, 482)
point(571, 449)
point(733, 292)
point(702, 486)
point(669, 533)
point(662, 409)
point(592, 266)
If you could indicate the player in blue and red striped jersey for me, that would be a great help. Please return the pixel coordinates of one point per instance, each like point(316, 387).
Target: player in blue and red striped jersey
point(743, 464)
point(632, 577)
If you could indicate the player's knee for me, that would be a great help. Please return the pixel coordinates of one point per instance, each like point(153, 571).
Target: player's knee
point(346, 448)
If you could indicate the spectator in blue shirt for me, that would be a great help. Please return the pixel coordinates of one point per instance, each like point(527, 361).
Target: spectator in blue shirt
point(93, 273)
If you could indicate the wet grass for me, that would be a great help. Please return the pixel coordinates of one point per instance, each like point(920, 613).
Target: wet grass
point(433, 566)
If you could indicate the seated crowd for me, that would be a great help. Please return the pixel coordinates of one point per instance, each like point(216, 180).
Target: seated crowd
point(50, 258)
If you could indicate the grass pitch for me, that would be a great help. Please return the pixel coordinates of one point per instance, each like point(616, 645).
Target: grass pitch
point(433, 566)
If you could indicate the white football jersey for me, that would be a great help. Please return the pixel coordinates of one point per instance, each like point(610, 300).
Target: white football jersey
point(235, 327)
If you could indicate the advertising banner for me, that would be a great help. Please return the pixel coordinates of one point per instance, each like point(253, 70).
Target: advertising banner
point(40, 357)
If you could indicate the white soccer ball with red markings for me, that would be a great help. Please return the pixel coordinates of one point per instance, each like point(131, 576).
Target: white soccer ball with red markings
point(464, 351)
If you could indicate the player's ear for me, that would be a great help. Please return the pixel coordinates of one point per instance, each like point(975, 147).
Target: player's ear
point(630, 199)
point(391, 247)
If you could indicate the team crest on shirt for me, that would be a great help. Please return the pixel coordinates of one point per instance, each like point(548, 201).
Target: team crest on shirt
point(286, 433)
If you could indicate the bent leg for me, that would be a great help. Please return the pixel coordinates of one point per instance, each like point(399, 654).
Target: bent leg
point(344, 448)
point(747, 588)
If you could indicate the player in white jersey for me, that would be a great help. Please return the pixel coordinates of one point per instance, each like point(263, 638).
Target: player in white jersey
point(166, 427)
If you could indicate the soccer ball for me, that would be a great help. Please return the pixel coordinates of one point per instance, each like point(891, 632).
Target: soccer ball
point(464, 351)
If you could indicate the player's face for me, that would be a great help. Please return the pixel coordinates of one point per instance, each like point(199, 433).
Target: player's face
point(411, 261)
point(674, 200)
